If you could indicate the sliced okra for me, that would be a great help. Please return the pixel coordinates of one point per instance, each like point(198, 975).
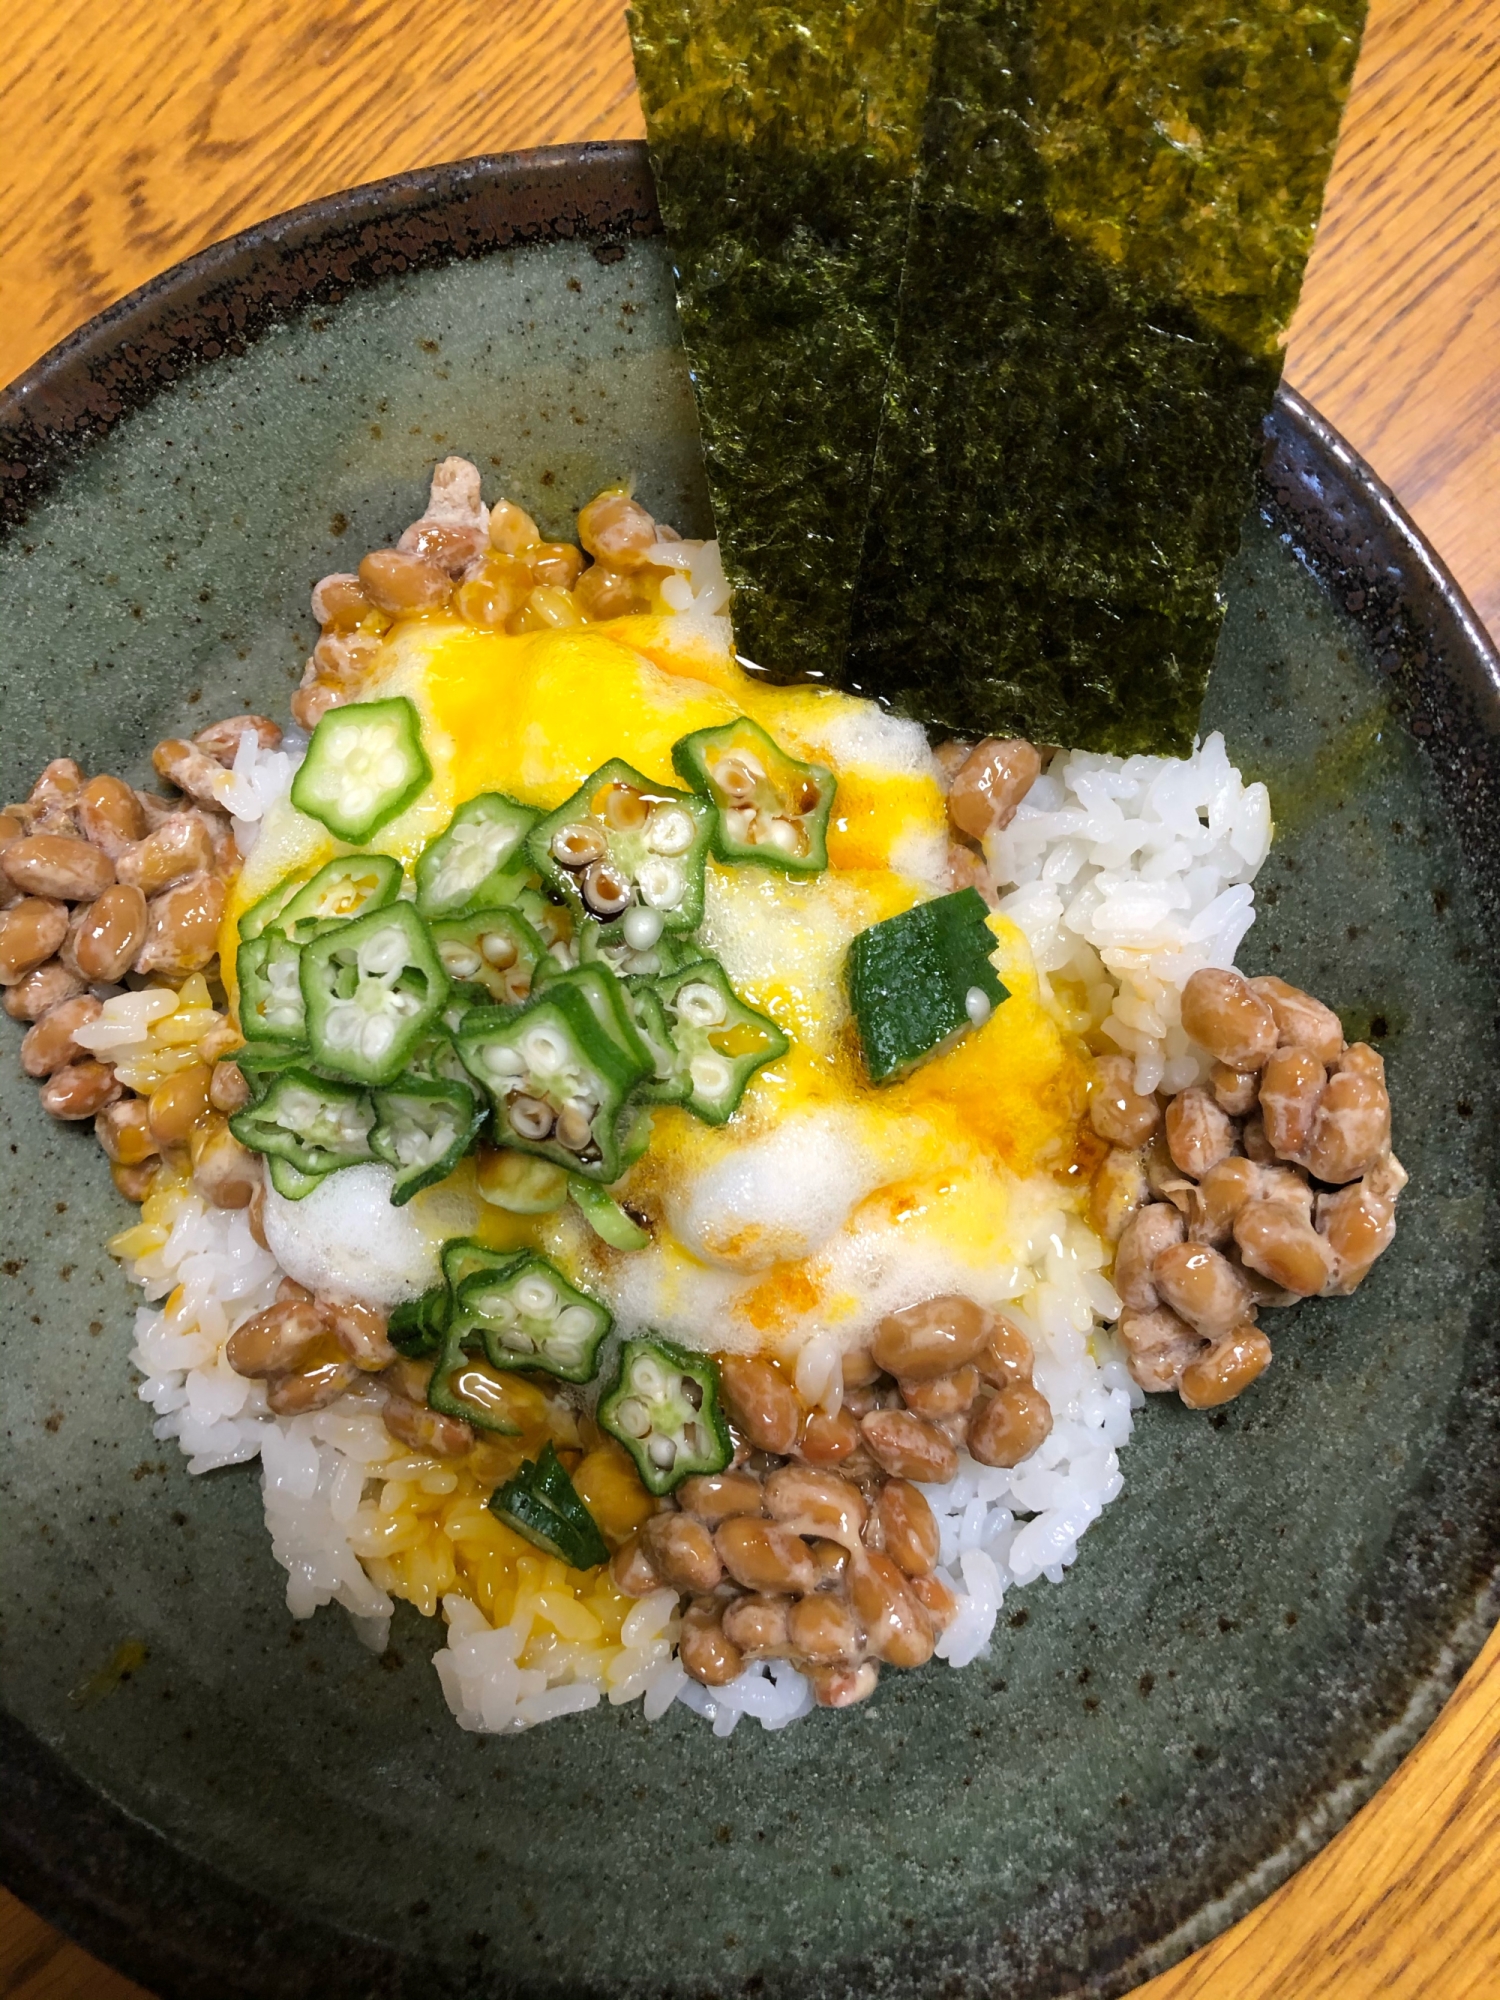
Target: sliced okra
point(605, 998)
point(341, 890)
point(635, 946)
point(720, 1042)
point(480, 861)
point(260, 1063)
point(364, 765)
point(290, 1182)
point(543, 1505)
point(530, 1317)
point(260, 916)
point(556, 921)
point(495, 950)
point(418, 1327)
point(373, 988)
point(770, 807)
point(622, 841)
point(435, 1059)
point(268, 971)
point(315, 1124)
point(423, 1130)
point(557, 1079)
point(668, 1082)
point(603, 1214)
point(464, 1256)
point(662, 1404)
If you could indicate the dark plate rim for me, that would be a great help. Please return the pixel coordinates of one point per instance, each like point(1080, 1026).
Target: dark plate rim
point(78, 1857)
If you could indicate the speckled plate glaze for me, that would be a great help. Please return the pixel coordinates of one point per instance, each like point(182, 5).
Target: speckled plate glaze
point(1252, 1636)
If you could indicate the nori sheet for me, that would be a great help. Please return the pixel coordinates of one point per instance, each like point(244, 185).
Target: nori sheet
point(1116, 205)
point(786, 142)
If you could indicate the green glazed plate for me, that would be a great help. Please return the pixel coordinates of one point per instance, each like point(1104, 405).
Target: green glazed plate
point(226, 1803)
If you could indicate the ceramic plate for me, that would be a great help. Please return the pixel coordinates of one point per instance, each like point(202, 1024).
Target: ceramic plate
point(1252, 1635)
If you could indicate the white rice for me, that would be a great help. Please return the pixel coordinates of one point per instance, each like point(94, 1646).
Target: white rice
point(1126, 876)
point(256, 780)
point(1129, 875)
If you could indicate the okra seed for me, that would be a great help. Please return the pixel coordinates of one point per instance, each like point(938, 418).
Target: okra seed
point(578, 844)
point(504, 1062)
point(625, 809)
point(740, 824)
point(647, 1377)
point(784, 836)
point(977, 1005)
point(643, 928)
point(575, 1323)
point(633, 1417)
point(498, 950)
point(574, 1129)
point(711, 1075)
point(605, 889)
point(734, 778)
point(543, 1050)
point(661, 882)
point(536, 1298)
point(461, 960)
point(669, 831)
point(661, 1451)
point(530, 1116)
point(700, 1005)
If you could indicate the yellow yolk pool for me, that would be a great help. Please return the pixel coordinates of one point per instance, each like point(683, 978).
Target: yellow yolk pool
point(824, 1202)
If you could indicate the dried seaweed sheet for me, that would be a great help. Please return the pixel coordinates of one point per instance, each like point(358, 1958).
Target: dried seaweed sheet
point(1116, 204)
point(786, 142)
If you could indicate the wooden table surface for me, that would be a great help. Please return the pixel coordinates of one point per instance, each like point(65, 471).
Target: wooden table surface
point(138, 133)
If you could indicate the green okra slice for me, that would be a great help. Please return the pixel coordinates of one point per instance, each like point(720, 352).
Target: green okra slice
point(556, 1077)
point(668, 1081)
point(605, 998)
point(719, 1042)
point(662, 1404)
point(462, 1385)
point(260, 1063)
point(492, 951)
point(542, 1504)
point(290, 1182)
point(771, 807)
point(623, 841)
point(635, 946)
point(603, 1214)
point(919, 981)
point(373, 988)
point(341, 890)
point(423, 1129)
point(268, 971)
point(365, 765)
point(315, 1124)
point(557, 920)
point(260, 916)
point(419, 1326)
point(529, 1316)
point(479, 861)
point(463, 1256)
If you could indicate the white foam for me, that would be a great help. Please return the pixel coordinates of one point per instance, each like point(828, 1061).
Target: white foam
point(777, 1197)
point(345, 1240)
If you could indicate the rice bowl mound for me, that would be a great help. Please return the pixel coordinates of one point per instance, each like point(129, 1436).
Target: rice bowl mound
point(1113, 1156)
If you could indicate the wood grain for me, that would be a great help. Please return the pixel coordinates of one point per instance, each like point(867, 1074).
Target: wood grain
point(136, 134)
